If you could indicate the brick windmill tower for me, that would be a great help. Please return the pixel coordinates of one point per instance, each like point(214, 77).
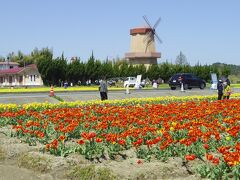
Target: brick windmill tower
point(142, 47)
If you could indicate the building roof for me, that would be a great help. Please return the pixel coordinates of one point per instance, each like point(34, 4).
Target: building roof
point(10, 63)
point(17, 69)
point(140, 30)
point(12, 71)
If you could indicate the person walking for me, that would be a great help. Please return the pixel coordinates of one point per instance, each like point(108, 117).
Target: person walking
point(226, 91)
point(103, 90)
point(220, 89)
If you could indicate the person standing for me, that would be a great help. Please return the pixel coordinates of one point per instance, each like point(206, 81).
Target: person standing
point(226, 91)
point(65, 85)
point(220, 89)
point(103, 90)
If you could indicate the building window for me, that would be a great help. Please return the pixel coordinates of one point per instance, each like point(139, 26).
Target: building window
point(1, 80)
point(33, 77)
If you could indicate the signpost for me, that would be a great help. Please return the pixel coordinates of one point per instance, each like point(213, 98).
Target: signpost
point(214, 81)
point(138, 82)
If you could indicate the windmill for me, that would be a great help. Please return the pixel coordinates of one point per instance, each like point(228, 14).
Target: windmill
point(142, 44)
point(151, 34)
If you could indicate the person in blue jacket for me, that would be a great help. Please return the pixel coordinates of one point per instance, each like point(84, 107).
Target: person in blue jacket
point(220, 89)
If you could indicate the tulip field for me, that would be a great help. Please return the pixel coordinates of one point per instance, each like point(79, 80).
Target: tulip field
point(191, 128)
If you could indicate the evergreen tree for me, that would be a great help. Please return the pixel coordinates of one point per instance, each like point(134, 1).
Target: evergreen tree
point(58, 70)
point(90, 68)
point(116, 70)
point(75, 71)
point(141, 70)
point(123, 69)
point(131, 71)
point(153, 72)
point(166, 70)
point(226, 71)
point(44, 64)
point(181, 59)
point(107, 70)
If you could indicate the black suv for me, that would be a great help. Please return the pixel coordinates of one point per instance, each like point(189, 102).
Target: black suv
point(189, 81)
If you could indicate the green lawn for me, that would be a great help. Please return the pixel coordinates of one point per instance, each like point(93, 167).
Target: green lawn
point(78, 88)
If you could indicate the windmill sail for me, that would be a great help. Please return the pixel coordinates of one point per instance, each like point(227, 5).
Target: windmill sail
point(151, 34)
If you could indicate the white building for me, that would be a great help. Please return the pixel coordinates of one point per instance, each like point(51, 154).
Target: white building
point(12, 75)
point(8, 65)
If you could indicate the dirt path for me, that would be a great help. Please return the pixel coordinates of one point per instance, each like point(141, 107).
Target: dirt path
point(20, 161)
point(12, 172)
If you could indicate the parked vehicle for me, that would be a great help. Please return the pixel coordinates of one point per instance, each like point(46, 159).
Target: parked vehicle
point(130, 81)
point(189, 81)
point(111, 82)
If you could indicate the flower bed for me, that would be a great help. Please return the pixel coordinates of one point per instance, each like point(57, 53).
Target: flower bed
point(156, 128)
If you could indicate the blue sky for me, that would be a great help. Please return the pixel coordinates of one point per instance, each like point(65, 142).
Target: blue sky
point(206, 31)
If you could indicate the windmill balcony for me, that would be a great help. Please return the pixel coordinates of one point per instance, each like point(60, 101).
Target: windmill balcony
point(132, 55)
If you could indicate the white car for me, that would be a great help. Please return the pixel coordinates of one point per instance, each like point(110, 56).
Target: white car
point(130, 81)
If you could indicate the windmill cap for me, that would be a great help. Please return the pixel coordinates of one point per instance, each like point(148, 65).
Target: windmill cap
point(140, 30)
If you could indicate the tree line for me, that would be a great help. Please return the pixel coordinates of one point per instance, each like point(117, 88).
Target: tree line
point(57, 70)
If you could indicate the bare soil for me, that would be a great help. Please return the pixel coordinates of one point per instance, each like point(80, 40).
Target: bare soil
point(21, 161)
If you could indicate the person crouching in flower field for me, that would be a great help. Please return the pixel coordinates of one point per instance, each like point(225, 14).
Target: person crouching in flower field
point(226, 91)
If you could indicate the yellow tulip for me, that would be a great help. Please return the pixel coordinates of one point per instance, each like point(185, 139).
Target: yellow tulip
point(228, 138)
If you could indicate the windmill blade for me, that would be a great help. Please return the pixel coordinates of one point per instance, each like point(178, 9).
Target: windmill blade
point(149, 34)
point(158, 38)
point(156, 24)
point(148, 23)
point(147, 46)
point(149, 39)
point(148, 43)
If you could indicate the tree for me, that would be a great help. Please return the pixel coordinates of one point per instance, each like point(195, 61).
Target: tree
point(181, 59)
point(123, 69)
point(2, 59)
point(116, 71)
point(141, 69)
point(226, 71)
point(44, 59)
point(131, 71)
point(58, 70)
point(166, 70)
point(75, 71)
point(90, 68)
point(153, 72)
point(107, 69)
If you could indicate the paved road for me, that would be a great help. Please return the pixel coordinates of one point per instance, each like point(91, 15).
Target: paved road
point(93, 95)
